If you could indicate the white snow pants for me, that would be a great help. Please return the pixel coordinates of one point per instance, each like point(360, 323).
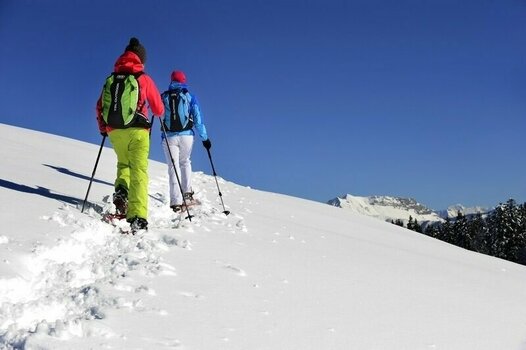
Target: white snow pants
point(181, 149)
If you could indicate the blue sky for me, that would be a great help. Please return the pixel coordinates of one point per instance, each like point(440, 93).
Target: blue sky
point(413, 98)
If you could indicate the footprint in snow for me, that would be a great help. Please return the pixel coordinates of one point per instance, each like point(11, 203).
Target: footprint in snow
point(191, 295)
point(237, 270)
point(229, 267)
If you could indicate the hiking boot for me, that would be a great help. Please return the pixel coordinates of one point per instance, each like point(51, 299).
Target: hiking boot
point(120, 199)
point(137, 224)
point(189, 196)
point(177, 208)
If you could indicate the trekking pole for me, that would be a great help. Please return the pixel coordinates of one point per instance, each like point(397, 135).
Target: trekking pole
point(175, 170)
point(93, 174)
point(151, 126)
point(226, 212)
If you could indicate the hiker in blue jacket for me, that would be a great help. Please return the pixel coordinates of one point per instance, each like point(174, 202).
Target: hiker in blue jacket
point(181, 117)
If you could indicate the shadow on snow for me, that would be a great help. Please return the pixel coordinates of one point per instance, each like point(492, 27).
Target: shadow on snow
point(80, 176)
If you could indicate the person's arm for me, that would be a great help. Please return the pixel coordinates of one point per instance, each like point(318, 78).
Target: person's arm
point(100, 119)
point(154, 97)
point(198, 120)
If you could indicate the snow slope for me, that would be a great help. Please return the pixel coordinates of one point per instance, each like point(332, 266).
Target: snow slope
point(277, 273)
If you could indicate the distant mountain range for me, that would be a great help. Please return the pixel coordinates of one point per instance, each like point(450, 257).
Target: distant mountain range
point(388, 208)
point(453, 210)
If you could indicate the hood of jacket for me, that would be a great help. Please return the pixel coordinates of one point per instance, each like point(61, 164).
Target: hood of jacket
point(128, 62)
point(174, 85)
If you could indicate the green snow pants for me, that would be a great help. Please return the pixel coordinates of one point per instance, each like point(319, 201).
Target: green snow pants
point(132, 146)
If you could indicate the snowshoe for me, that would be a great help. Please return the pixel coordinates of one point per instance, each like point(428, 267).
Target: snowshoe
point(120, 200)
point(177, 208)
point(110, 218)
point(138, 224)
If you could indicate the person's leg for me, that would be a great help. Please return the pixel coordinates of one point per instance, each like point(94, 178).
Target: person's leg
point(139, 149)
point(175, 193)
point(185, 164)
point(120, 141)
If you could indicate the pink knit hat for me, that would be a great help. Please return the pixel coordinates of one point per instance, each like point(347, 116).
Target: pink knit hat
point(178, 76)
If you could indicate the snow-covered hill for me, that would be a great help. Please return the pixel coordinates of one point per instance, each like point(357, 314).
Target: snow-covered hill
point(387, 208)
point(277, 273)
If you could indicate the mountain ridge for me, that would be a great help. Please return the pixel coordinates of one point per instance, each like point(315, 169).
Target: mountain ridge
point(393, 208)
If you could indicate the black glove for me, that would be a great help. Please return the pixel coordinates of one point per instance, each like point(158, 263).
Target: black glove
point(207, 144)
point(104, 134)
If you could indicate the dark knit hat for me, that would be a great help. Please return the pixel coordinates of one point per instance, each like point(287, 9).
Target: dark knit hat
point(178, 76)
point(136, 47)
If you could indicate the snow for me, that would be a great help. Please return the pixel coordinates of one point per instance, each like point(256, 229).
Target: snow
point(277, 273)
point(453, 210)
point(387, 208)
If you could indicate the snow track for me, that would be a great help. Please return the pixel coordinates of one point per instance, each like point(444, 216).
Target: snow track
point(90, 271)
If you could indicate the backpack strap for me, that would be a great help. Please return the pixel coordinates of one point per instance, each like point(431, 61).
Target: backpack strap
point(138, 120)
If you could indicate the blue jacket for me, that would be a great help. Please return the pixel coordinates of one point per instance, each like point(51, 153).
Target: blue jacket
point(194, 111)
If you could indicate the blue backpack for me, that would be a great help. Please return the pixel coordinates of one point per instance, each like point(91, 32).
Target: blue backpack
point(179, 101)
